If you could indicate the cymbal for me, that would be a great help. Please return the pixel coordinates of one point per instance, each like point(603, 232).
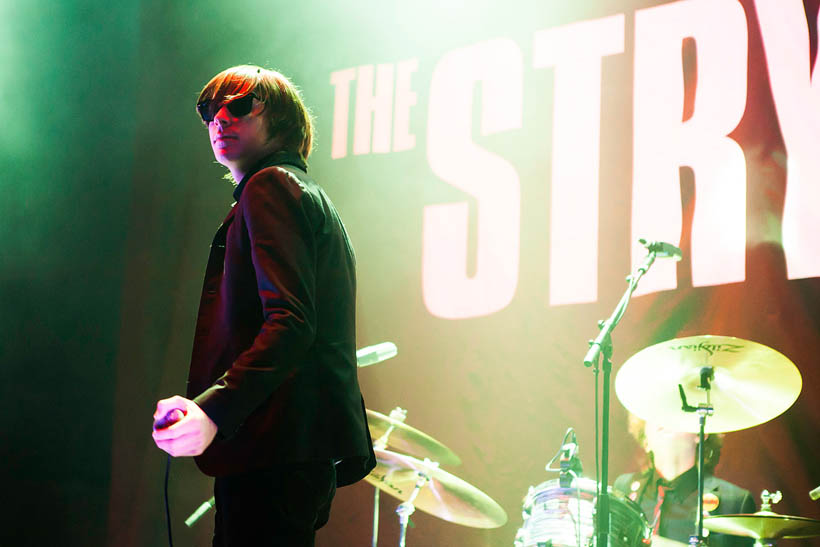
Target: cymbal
point(444, 496)
point(408, 439)
point(763, 525)
point(752, 383)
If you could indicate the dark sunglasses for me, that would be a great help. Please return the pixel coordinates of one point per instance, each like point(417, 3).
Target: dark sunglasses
point(237, 107)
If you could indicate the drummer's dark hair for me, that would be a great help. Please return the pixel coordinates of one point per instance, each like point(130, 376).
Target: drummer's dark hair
point(712, 445)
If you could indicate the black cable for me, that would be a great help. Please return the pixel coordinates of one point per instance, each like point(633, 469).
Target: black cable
point(167, 508)
point(558, 454)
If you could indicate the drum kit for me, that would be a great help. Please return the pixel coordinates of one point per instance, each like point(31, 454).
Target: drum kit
point(736, 384)
point(739, 384)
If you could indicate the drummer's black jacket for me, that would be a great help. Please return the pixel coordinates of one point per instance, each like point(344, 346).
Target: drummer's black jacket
point(677, 518)
point(273, 361)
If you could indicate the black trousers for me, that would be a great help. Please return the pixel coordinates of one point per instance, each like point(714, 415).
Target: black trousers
point(280, 507)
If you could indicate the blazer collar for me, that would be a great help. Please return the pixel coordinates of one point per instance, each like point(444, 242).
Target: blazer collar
point(282, 157)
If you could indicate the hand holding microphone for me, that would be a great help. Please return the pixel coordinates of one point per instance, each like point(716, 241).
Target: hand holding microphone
point(181, 428)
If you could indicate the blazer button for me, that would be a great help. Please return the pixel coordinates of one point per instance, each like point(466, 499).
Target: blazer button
point(211, 289)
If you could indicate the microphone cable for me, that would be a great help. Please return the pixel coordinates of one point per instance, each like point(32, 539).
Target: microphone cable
point(167, 507)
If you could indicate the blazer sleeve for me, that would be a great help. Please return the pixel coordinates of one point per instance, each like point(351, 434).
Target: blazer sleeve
point(274, 208)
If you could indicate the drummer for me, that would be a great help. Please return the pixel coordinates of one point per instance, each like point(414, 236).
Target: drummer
point(667, 490)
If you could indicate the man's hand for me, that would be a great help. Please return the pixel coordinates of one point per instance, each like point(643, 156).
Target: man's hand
point(191, 435)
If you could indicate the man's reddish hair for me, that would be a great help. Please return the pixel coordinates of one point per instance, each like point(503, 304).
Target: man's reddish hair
point(289, 120)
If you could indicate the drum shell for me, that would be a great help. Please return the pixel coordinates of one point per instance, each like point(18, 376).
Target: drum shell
point(551, 516)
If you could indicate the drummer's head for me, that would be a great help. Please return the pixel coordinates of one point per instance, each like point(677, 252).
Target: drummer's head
point(655, 438)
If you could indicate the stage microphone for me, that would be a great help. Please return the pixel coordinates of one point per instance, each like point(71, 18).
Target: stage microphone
point(569, 461)
point(376, 354)
point(201, 510)
point(815, 494)
point(662, 249)
point(569, 452)
point(173, 416)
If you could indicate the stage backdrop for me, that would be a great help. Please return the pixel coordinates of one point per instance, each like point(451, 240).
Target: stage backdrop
point(494, 163)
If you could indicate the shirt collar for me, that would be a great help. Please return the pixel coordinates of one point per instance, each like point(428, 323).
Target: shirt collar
point(682, 485)
point(281, 157)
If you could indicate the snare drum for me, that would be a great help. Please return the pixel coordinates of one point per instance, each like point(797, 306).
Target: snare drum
point(565, 517)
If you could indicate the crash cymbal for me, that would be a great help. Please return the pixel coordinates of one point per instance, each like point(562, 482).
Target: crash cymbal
point(444, 495)
point(410, 440)
point(763, 525)
point(752, 383)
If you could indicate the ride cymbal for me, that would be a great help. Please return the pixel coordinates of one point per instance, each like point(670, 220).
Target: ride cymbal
point(752, 383)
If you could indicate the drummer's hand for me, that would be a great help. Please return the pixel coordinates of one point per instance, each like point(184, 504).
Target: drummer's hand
point(191, 435)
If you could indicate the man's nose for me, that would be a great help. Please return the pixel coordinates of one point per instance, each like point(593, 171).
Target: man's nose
point(222, 118)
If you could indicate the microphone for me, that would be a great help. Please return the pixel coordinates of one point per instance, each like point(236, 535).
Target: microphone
point(173, 416)
point(662, 249)
point(371, 355)
point(201, 510)
point(569, 451)
point(815, 494)
point(570, 463)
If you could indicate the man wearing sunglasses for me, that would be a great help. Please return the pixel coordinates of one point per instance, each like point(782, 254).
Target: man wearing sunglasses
point(273, 408)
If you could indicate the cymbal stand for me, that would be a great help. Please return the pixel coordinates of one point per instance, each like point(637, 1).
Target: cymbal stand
point(398, 414)
point(600, 349)
point(405, 509)
point(707, 374)
point(767, 499)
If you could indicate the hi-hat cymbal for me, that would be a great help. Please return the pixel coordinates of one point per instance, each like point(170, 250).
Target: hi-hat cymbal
point(763, 525)
point(752, 383)
point(444, 495)
point(408, 439)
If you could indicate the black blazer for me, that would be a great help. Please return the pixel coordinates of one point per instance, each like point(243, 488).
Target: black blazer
point(274, 356)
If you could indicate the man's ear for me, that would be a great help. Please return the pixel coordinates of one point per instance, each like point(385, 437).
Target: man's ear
point(258, 107)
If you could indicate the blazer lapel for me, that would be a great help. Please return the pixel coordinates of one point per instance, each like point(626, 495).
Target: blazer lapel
point(219, 237)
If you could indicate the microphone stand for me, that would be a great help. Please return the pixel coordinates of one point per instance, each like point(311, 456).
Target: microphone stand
point(599, 348)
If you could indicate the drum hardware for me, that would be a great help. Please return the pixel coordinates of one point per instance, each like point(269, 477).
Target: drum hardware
point(561, 512)
point(765, 526)
point(397, 469)
point(423, 485)
point(365, 357)
point(397, 416)
point(569, 463)
point(569, 470)
point(392, 431)
point(400, 437)
point(707, 374)
point(565, 517)
point(600, 350)
point(405, 509)
point(767, 500)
